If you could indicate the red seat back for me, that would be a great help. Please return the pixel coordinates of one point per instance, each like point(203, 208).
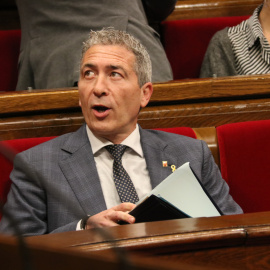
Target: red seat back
point(6, 166)
point(244, 162)
point(9, 54)
point(186, 41)
point(186, 131)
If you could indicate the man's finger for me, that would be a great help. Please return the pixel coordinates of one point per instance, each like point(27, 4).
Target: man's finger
point(120, 215)
point(124, 207)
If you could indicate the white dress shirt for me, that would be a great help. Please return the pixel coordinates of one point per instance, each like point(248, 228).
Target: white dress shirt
point(133, 161)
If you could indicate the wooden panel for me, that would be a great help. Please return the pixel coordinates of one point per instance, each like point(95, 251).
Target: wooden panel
point(190, 9)
point(190, 115)
point(205, 114)
point(38, 100)
point(192, 103)
point(237, 258)
point(54, 257)
point(40, 125)
point(235, 242)
point(181, 91)
point(236, 87)
point(209, 135)
point(214, 243)
point(170, 236)
point(198, 242)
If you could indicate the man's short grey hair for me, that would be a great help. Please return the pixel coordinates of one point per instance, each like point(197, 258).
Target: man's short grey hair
point(110, 36)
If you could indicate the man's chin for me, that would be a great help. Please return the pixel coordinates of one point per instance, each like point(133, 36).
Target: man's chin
point(102, 131)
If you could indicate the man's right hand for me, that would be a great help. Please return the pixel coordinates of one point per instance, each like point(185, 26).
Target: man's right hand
point(110, 217)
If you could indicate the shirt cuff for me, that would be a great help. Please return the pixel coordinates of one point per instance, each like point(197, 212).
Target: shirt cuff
point(78, 227)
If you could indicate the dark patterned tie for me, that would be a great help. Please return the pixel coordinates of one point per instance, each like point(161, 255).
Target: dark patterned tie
point(123, 183)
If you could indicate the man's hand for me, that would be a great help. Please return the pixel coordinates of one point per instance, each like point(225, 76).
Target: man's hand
point(110, 217)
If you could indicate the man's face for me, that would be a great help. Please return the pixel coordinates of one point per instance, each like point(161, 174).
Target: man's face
point(109, 93)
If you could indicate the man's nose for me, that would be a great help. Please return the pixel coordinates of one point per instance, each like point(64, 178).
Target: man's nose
point(101, 86)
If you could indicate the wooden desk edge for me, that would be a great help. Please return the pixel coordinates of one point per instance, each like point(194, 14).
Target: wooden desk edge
point(173, 235)
point(211, 89)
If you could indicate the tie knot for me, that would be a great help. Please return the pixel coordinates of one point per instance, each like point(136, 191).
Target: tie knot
point(116, 150)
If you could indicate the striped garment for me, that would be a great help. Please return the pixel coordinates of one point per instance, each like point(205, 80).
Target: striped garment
point(251, 49)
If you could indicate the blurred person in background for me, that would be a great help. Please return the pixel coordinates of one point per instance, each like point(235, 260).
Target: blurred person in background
point(243, 49)
point(53, 32)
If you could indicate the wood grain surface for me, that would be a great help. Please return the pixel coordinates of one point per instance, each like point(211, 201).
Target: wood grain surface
point(232, 242)
point(193, 103)
point(192, 9)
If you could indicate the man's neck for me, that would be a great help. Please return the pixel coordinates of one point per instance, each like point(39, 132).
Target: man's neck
point(119, 138)
point(264, 18)
point(98, 142)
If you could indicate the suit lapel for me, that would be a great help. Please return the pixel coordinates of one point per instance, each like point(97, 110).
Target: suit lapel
point(155, 152)
point(79, 167)
point(80, 171)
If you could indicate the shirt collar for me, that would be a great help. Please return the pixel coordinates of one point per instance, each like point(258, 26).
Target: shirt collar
point(255, 27)
point(133, 141)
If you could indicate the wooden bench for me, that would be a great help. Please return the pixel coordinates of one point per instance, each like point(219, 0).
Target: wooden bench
point(237, 242)
point(191, 9)
point(194, 103)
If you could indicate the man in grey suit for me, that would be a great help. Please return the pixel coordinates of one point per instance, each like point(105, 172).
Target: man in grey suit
point(57, 184)
point(53, 31)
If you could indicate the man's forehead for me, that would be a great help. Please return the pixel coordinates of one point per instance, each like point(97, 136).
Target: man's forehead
point(111, 53)
point(111, 50)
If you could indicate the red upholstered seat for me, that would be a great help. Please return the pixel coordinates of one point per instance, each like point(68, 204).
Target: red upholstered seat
point(186, 131)
point(186, 41)
point(17, 145)
point(9, 53)
point(245, 163)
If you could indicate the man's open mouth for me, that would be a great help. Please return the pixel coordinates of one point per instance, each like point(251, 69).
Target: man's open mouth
point(100, 108)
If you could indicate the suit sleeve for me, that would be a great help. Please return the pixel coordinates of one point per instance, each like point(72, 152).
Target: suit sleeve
point(216, 185)
point(27, 202)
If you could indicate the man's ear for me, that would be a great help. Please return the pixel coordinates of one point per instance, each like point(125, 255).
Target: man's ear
point(146, 93)
point(80, 103)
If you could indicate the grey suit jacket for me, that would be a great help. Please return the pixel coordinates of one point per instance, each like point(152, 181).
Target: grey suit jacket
point(53, 33)
point(56, 183)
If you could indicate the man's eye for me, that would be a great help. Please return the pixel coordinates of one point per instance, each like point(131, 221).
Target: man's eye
point(88, 73)
point(115, 74)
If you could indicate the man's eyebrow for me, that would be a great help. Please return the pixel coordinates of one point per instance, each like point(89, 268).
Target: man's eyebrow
point(88, 65)
point(115, 67)
point(111, 67)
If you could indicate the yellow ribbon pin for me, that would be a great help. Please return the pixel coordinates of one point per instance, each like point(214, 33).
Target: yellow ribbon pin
point(173, 168)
